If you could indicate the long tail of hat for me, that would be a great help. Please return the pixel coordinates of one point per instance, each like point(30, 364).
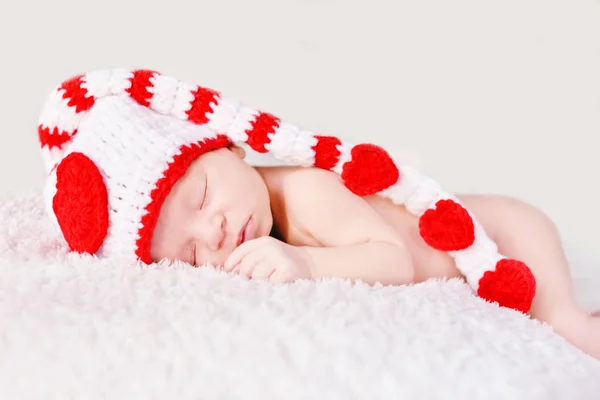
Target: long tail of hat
point(366, 169)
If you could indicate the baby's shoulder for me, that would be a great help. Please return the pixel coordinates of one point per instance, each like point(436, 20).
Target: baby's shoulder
point(303, 199)
point(293, 179)
point(304, 185)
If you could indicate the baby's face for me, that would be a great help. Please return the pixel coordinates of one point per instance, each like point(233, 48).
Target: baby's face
point(219, 202)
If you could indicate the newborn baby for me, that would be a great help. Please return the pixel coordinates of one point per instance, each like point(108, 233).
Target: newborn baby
point(286, 223)
point(144, 167)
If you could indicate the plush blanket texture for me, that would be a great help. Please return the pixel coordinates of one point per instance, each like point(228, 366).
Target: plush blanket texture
point(75, 327)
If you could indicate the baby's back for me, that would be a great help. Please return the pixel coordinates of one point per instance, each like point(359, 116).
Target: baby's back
point(428, 262)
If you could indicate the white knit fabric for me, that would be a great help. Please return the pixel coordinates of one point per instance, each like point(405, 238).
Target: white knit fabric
point(164, 90)
point(292, 145)
point(241, 124)
point(132, 147)
point(410, 182)
point(478, 258)
point(57, 113)
point(101, 83)
point(183, 99)
point(223, 114)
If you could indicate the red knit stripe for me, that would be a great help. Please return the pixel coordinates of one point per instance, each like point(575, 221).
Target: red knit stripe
point(258, 135)
point(327, 154)
point(201, 105)
point(139, 86)
point(175, 170)
point(76, 94)
point(54, 138)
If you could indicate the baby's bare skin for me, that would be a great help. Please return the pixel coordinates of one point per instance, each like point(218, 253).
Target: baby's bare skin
point(327, 231)
point(522, 232)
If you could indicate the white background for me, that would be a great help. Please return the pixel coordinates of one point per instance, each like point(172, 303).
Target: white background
point(488, 96)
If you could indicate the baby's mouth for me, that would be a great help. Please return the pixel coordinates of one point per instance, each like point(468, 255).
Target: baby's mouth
point(242, 234)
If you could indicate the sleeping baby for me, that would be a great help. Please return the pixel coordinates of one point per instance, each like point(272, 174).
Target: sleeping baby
point(143, 167)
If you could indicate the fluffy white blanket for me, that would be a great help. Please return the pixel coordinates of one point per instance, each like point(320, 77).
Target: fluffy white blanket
point(75, 327)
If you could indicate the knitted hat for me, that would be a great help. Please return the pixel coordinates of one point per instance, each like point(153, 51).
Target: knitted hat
point(115, 142)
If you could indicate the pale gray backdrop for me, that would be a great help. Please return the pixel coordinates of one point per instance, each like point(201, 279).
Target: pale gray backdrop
point(488, 96)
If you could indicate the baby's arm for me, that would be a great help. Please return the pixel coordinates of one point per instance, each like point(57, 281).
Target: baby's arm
point(372, 262)
point(356, 242)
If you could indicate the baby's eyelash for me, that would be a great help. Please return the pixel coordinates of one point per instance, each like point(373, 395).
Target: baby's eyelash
point(205, 189)
point(193, 258)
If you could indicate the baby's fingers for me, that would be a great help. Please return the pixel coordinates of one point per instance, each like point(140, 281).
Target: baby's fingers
point(249, 263)
point(263, 270)
point(246, 266)
point(280, 276)
point(239, 254)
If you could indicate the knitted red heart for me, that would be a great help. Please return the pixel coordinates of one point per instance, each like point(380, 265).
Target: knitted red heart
point(447, 227)
point(81, 203)
point(511, 285)
point(369, 171)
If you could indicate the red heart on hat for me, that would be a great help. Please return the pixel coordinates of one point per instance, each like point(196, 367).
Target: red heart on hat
point(511, 285)
point(370, 170)
point(81, 203)
point(447, 227)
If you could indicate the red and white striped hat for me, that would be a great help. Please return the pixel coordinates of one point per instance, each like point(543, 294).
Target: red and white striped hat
point(115, 142)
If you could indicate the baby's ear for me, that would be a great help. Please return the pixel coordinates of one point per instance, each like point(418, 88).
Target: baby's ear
point(238, 151)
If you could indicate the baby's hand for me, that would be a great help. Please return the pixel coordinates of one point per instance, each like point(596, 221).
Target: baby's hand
point(269, 258)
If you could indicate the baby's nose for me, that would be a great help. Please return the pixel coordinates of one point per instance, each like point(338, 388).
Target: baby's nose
point(215, 232)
